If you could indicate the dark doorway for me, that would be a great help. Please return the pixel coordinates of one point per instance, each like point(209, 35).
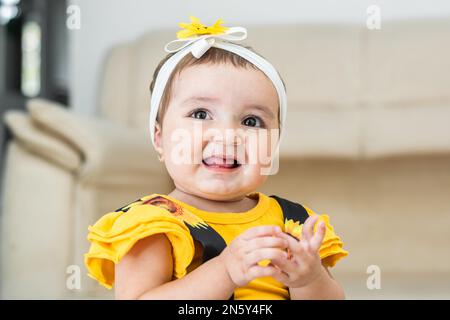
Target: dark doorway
point(33, 56)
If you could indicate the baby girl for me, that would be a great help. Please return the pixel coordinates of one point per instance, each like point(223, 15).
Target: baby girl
point(216, 120)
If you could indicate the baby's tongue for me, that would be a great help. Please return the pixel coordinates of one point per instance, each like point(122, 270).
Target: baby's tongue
point(220, 162)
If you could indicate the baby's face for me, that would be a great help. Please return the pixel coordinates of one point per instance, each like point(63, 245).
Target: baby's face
point(219, 130)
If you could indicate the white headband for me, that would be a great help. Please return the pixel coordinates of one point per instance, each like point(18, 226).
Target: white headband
point(198, 45)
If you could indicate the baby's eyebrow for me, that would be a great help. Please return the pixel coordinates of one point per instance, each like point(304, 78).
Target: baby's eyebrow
point(263, 109)
point(201, 99)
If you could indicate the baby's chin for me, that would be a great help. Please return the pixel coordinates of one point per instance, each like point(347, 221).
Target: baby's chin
point(216, 196)
point(214, 190)
point(220, 186)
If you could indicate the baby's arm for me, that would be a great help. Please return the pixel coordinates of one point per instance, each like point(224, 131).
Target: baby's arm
point(146, 271)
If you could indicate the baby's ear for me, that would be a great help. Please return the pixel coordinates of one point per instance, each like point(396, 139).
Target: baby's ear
point(158, 141)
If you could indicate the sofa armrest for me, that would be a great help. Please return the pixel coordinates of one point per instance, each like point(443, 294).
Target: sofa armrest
point(41, 142)
point(111, 153)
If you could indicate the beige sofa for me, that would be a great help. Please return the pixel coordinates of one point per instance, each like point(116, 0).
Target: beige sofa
point(368, 143)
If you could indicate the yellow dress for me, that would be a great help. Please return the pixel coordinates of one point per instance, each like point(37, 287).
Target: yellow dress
point(113, 235)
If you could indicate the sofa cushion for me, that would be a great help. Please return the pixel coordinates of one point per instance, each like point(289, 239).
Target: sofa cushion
point(408, 62)
point(322, 132)
point(112, 153)
point(38, 140)
point(406, 131)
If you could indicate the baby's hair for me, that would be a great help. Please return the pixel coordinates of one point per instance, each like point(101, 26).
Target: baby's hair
point(214, 56)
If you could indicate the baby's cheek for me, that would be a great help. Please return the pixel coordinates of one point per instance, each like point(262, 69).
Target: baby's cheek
point(181, 173)
point(253, 176)
point(259, 147)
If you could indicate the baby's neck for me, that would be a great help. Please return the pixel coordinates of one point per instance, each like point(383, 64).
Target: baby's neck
point(235, 205)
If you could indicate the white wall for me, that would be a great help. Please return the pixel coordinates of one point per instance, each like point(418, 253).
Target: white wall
point(107, 22)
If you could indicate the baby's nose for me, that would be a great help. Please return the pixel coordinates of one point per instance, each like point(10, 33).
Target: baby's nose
point(229, 137)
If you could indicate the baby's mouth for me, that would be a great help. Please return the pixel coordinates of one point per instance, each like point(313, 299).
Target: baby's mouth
point(221, 162)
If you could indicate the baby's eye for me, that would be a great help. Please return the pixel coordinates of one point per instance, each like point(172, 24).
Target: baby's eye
point(199, 114)
point(253, 122)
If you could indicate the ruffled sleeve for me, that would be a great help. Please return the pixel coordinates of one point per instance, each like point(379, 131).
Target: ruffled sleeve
point(331, 250)
point(113, 235)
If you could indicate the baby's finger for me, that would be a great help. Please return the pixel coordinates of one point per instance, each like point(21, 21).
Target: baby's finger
point(298, 248)
point(317, 239)
point(308, 227)
point(265, 242)
point(257, 272)
point(281, 276)
point(275, 255)
point(293, 243)
point(286, 265)
point(260, 231)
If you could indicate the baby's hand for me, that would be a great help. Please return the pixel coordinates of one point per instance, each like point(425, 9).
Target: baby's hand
point(242, 255)
point(303, 265)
